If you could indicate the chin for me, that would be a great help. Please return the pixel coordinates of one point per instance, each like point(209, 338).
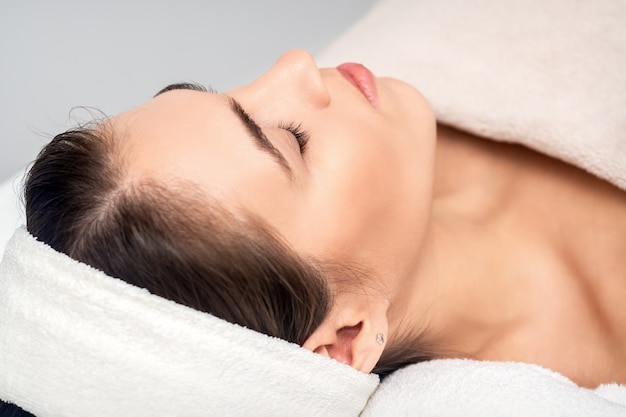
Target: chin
point(403, 101)
point(400, 87)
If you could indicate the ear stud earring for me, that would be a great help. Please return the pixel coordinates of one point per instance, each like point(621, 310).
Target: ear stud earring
point(380, 339)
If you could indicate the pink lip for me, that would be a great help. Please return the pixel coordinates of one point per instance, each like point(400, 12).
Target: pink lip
point(362, 79)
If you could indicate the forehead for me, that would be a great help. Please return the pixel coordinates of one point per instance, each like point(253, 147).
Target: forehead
point(187, 135)
point(172, 110)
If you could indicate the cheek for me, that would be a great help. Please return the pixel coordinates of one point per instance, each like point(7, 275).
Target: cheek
point(358, 187)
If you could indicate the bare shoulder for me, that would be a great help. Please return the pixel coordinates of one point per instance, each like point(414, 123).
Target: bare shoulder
point(573, 225)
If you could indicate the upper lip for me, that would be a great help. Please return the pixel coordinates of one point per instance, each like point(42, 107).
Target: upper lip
point(362, 78)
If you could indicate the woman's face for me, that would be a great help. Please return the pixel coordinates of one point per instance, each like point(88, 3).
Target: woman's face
point(360, 191)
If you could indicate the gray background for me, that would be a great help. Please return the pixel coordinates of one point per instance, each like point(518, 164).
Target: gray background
point(114, 54)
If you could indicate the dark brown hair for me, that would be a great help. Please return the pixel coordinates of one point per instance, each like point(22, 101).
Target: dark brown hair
point(169, 238)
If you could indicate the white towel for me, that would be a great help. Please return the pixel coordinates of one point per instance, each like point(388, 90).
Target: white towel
point(550, 74)
point(75, 342)
point(456, 387)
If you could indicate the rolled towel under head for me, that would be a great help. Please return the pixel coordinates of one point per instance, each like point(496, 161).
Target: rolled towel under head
point(74, 341)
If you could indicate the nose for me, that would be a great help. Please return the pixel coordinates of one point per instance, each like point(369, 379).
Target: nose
point(294, 80)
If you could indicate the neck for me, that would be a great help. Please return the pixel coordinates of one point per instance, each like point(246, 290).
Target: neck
point(452, 298)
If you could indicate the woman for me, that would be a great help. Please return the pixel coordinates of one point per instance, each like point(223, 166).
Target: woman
point(325, 207)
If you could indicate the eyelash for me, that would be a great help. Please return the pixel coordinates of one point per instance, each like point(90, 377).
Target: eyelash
point(302, 136)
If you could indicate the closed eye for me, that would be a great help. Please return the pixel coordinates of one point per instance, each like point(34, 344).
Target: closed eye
point(302, 136)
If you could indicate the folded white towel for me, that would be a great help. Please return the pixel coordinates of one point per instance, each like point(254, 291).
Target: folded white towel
point(456, 387)
point(550, 74)
point(75, 342)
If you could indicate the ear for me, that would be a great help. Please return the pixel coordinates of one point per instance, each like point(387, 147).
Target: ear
point(352, 334)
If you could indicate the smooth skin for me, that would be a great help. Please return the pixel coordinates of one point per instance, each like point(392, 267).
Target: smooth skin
point(491, 250)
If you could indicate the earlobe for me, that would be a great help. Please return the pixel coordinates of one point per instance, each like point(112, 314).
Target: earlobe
point(366, 349)
point(351, 337)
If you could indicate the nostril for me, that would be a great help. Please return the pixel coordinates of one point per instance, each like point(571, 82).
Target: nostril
point(317, 94)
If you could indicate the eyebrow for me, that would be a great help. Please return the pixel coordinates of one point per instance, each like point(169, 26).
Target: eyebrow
point(259, 137)
point(260, 140)
point(186, 86)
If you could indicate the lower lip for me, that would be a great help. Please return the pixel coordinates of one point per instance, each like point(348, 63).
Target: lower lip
point(362, 79)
